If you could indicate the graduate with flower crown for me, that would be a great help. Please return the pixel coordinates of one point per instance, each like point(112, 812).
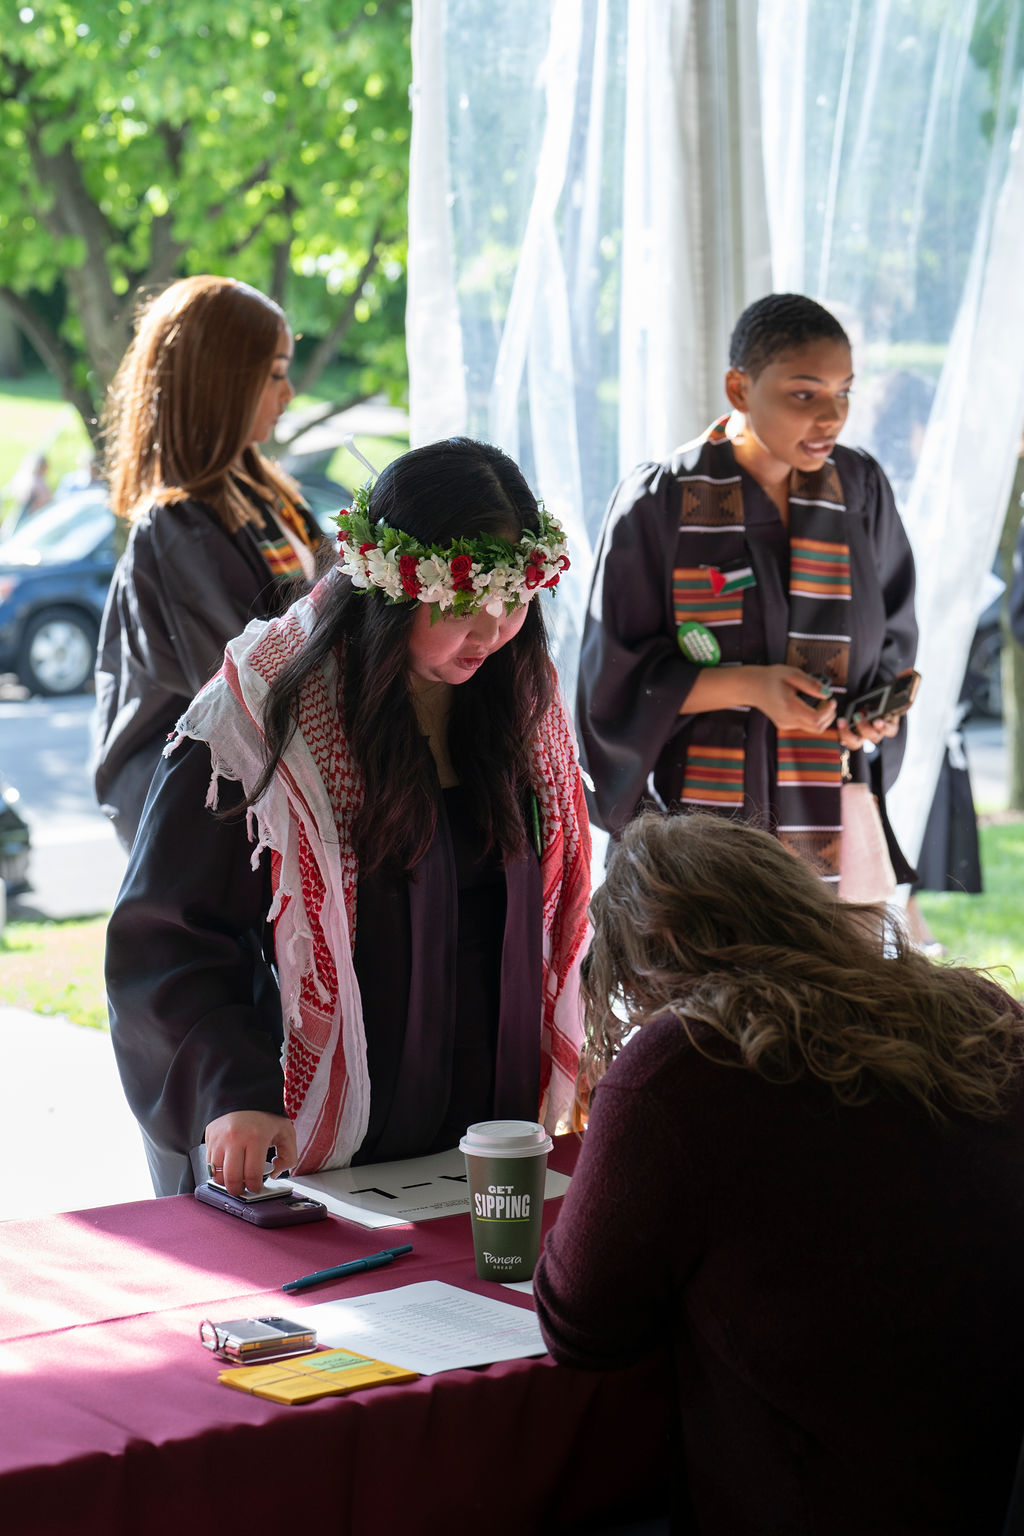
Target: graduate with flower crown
point(354, 914)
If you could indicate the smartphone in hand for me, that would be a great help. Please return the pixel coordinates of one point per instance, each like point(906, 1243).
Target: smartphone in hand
point(263, 1208)
point(884, 702)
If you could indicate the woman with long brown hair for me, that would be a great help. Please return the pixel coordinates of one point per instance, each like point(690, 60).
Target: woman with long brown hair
point(397, 956)
point(804, 1173)
point(219, 534)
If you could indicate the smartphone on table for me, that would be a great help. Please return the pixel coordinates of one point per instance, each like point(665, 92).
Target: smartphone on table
point(263, 1207)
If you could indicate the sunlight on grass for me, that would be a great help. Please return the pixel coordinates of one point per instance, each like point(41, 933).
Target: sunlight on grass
point(55, 968)
point(985, 930)
point(378, 450)
point(36, 420)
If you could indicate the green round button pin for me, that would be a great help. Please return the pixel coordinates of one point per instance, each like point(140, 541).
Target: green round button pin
point(698, 644)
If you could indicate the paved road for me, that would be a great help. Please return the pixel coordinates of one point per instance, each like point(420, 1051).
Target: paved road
point(77, 862)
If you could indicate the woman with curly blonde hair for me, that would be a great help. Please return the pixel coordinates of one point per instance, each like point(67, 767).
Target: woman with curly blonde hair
point(804, 1171)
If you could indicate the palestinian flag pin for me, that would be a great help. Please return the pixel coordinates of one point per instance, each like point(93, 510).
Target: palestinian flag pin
point(698, 644)
point(730, 581)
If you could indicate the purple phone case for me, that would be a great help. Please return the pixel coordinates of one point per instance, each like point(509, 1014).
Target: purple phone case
point(287, 1211)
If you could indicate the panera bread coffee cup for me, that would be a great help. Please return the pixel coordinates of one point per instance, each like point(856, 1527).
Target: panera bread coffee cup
point(506, 1161)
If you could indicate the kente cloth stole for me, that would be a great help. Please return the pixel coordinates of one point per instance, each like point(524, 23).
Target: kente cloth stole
point(284, 564)
point(805, 813)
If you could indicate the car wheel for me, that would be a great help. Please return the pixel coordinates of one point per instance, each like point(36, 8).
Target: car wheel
point(58, 652)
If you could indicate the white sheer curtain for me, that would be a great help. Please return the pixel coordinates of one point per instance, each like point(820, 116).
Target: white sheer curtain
point(896, 196)
point(594, 215)
point(593, 186)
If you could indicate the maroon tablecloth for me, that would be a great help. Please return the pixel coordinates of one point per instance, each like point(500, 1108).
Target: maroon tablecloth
point(112, 1419)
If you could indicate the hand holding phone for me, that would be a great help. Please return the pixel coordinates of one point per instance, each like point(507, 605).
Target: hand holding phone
point(236, 1148)
point(263, 1208)
point(886, 702)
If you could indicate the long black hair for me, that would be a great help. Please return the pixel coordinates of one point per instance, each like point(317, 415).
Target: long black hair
point(437, 493)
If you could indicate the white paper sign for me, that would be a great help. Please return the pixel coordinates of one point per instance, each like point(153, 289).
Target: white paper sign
point(389, 1194)
point(427, 1327)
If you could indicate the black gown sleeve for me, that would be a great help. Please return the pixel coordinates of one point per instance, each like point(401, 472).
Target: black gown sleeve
point(633, 677)
point(183, 588)
point(894, 562)
point(195, 1015)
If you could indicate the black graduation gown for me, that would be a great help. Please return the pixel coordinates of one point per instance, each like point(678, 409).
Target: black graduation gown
point(449, 965)
point(633, 678)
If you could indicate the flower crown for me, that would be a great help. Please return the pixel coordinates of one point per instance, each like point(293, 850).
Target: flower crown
point(485, 574)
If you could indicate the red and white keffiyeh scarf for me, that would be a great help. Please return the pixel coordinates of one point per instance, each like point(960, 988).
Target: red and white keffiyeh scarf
point(304, 819)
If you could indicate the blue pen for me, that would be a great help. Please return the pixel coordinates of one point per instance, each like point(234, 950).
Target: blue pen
point(353, 1267)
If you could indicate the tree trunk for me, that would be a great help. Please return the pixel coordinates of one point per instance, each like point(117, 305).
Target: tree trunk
point(1012, 654)
point(326, 347)
point(55, 355)
point(11, 365)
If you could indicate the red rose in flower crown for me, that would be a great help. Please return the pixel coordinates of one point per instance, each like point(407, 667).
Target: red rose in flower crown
point(563, 564)
point(410, 581)
point(462, 572)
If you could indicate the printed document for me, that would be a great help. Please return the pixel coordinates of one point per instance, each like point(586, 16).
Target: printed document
point(427, 1327)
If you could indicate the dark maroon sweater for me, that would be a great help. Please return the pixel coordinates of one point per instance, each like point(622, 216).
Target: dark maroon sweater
point(843, 1291)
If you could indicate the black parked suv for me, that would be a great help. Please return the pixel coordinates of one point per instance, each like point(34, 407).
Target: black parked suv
point(55, 569)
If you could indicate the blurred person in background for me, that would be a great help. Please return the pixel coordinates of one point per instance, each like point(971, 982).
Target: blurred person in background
point(219, 534)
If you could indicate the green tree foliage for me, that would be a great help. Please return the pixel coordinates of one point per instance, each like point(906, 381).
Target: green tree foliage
point(143, 140)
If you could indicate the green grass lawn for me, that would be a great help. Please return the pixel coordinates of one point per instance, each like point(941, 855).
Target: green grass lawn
point(34, 419)
point(986, 930)
point(55, 968)
point(348, 471)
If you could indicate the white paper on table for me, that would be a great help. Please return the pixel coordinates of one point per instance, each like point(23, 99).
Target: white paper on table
point(426, 1327)
point(389, 1194)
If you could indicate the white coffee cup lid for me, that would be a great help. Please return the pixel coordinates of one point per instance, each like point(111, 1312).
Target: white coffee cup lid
point(506, 1138)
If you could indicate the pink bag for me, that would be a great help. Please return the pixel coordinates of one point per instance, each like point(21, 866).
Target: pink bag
point(865, 868)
